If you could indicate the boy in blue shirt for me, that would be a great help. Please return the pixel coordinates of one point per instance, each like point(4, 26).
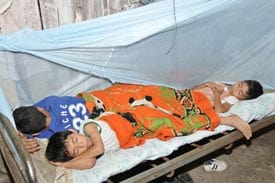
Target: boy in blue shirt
point(50, 115)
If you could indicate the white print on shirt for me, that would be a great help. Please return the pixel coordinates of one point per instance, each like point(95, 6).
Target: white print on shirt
point(73, 110)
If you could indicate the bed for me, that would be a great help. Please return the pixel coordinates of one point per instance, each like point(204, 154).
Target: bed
point(260, 112)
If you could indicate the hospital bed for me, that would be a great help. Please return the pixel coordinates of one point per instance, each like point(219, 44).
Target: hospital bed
point(24, 167)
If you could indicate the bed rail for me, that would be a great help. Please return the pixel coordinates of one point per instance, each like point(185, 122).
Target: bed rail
point(16, 157)
point(197, 153)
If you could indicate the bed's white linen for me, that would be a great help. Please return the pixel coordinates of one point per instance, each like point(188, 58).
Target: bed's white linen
point(113, 163)
point(255, 109)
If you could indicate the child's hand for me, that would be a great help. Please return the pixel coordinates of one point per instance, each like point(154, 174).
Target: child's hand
point(217, 91)
point(31, 145)
point(79, 164)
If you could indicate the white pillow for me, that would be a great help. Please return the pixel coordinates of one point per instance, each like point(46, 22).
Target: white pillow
point(257, 109)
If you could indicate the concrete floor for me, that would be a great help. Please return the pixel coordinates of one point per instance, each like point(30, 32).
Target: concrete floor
point(249, 162)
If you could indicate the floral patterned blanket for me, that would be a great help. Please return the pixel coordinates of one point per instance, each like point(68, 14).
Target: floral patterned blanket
point(141, 112)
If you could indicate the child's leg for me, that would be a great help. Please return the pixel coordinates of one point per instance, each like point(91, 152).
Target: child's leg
point(239, 124)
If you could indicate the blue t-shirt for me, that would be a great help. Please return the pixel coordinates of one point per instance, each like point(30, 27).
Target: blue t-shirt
point(66, 112)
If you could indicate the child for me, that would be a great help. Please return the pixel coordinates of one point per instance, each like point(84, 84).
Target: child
point(48, 116)
point(73, 150)
point(222, 96)
point(79, 151)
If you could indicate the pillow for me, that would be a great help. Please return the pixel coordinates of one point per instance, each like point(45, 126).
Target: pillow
point(255, 109)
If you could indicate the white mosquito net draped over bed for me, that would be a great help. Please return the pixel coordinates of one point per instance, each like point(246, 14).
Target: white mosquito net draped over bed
point(178, 43)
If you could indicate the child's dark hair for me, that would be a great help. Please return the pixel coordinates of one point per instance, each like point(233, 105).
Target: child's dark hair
point(56, 150)
point(29, 119)
point(255, 89)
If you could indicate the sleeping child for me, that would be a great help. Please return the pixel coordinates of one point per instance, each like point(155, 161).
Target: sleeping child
point(119, 97)
point(113, 131)
point(223, 96)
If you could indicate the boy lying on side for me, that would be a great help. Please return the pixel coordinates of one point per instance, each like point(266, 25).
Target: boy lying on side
point(80, 151)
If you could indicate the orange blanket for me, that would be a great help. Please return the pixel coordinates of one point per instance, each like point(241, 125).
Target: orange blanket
point(152, 111)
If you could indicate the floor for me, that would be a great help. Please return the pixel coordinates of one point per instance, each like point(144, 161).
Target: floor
point(249, 162)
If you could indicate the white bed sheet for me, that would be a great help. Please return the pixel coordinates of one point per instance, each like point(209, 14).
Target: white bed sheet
point(113, 163)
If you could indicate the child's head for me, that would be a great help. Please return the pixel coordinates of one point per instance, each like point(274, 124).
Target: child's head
point(29, 119)
point(63, 146)
point(247, 89)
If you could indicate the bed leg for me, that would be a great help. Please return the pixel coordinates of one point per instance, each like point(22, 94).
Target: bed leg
point(228, 148)
point(170, 174)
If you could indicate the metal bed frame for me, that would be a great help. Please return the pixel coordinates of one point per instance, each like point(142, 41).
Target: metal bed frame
point(16, 157)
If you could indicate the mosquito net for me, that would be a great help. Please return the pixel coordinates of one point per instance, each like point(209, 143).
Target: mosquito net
point(178, 43)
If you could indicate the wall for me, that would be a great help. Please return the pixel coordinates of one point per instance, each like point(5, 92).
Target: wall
point(44, 14)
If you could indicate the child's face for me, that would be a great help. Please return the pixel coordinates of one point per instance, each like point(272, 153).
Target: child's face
point(77, 144)
point(240, 90)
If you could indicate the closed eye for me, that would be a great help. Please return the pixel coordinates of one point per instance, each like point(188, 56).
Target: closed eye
point(75, 140)
point(241, 93)
point(75, 151)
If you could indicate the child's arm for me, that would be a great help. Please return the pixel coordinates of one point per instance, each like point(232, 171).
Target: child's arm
point(217, 91)
point(239, 124)
point(206, 84)
point(86, 159)
point(31, 145)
